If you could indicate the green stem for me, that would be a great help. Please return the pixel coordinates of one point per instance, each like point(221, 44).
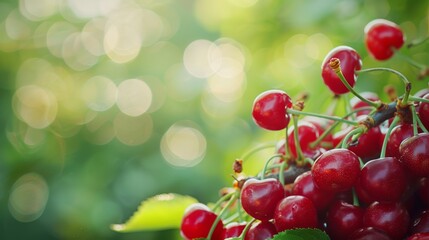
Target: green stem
point(417, 42)
point(221, 200)
point(281, 173)
point(355, 198)
point(334, 118)
point(246, 229)
point(257, 149)
point(299, 154)
point(219, 216)
point(386, 137)
point(417, 121)
point(286, 147)
point(418, 99)
point(266, 164)
point(399, 74)
point(357, 130)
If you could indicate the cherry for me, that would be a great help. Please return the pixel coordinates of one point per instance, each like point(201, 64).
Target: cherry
point(415, 154)
point(304, 186)
point(423, 191)
point(259, 197)
point(269, 110)
point(382, 37)
point(343, 219)
point(419, 236)
point(350, 62)
point(421, 223)
point(234, 229)
point(295, 212)
point(382, 179)
point(399, 133)
point(392, 218)
point(307, 133)
point(261, 231)
point(197, 222)
point(356, 103)
point(369, 144)
point(336, 170)
point(369, 233)
point(424, 111)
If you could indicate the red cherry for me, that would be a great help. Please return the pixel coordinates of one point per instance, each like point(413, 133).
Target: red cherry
point(295, 212)
point(415, 154)
point(307, 133)
point(382, 37)
point(383, 179)
point(350, 62)
point(269, 110)
point(342, 219)
point(336, 170)
point(369, 233)
point(424, 111)
point(356, 103)
point(392, 218)
point(423, 191)
point(421, 224)
point(260, 231)
point(197, 222)
point(399, 133)
point(260, 197)
point(368, 145)
point(234, 229)
point(419, 236)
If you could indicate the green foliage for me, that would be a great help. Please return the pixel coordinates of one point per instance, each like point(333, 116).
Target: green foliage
point(302, 234)
point(160, 212)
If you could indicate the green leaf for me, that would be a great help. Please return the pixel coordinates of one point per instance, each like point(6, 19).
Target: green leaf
point(302, 234)
point(164, 211)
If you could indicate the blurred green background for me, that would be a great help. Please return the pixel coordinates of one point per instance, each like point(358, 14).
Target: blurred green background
point(105, 103)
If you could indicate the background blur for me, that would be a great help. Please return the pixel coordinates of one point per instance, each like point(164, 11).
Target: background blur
point(105, 103)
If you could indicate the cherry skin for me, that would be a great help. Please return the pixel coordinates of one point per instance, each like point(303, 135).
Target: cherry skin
point(260, 197)
point(343, 219)
point(392, 218)
point(399, 133)
point(421, 223)
point(369, 233)
point(424, 111)
point(419, 236)
point(350, 62)
point(423, 191)
point(356, 103)
point(304, 186)
point(234, 229)
point(307, 133)
point(197, 222)
point(295, 212)
point(415, 154)
point(381, 37)
point(382, 179)
point(368, 145)
point(269, 110)
point(336, 170)
point(260, 231)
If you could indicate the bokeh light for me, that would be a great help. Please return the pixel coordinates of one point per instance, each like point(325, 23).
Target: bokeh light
point(134, 97)
point(99, 93)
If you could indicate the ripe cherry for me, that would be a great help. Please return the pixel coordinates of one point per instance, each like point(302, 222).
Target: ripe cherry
point(197, 222)
point(415, 154)
point(369, 233)
point(342, 219)
point(234, 229)
point(261, 230)
point(399, 133)
point(421, 223)
point(295, 212)
point(392, 218)
point(419, 236)
point(382, 179)
point(369, 144)
point(307, 133)
point(269, 110)
point(350, 62)
point(260, 197)
point(382, 37)
point(424, 111)
point(336, 170)
point(356, 103)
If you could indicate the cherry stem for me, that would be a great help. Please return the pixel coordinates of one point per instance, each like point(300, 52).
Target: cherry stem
point(357, 131)
point(418, 99)
point(399, 74)
point(266, 164)
point(417, 121)
point(221, 200)
point(286, 147)
point(257, 149)
point(334, 118)
point(355, 198)
point(281, 172)
point(300, 155)
point(219, 216)
point(336, 67)
point(386, 137)
point(246, 229)
point(417, 42)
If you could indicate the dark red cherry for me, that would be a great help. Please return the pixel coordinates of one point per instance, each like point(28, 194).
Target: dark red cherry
point(392, 218)
point(399, 133)
point(421, 223)
point(368, 146)
point(350, 62)
point(423, 111)
point(307, 133)
point(423, 191)
point(356, 103)
point(234, 229)
point(197, 222)
point(304, 186)
point(419, 236)
point(415, 154)
point(342, 219)
point(295, 212)
point(369, 233)
point(261, 231)
point(382, 37)
point(336, 170)
point(260, 197)
point(382, 179)
point(269, 110)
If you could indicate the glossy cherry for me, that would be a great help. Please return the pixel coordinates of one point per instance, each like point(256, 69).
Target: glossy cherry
point(382, 37)
point(197, 222)
point(234, 229)
point(295, 212)
point(415, 154)
point(307, 133)
point(304, 186)
point(260, 197)
point(261, 230)
point(336, 170)
point(423, 111)
point(269, 110)
point(419, 236)
point(369, 145)
point(342, 219)
point(382, 179)
point(350, 62)
point(399, 133)
point(421, 223)
point(369, 233)
point(423, 191)
point(392, 218)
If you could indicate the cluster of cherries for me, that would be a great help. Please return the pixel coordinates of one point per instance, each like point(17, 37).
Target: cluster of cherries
point(361, 176)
